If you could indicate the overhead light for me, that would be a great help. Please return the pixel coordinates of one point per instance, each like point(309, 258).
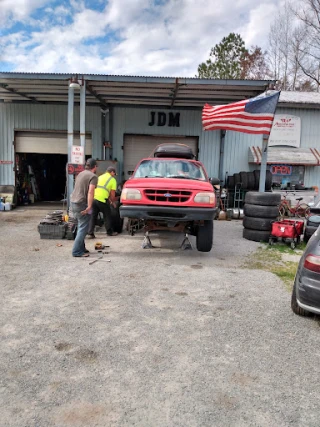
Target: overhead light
point(75, 83)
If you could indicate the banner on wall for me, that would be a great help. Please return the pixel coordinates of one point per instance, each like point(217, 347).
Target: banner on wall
point(286, 131)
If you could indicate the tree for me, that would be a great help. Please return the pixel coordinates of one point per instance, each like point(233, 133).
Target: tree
point(253, 65)
point(309, 60)
point(287, 52)
point(225, 59)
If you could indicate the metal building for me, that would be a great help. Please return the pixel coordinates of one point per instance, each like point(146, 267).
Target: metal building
point(122, 118)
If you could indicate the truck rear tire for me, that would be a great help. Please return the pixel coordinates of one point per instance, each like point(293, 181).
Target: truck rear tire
point(204, 237)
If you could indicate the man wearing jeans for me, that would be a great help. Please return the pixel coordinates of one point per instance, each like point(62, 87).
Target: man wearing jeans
point(81, 205)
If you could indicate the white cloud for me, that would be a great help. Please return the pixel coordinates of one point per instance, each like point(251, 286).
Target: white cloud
point(18, 10)
point(168, 39)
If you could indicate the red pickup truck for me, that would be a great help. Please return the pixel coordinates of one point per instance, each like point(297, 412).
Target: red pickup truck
point(171, 191)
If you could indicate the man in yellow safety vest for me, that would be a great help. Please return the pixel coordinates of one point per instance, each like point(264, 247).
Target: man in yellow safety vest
point(104, 197)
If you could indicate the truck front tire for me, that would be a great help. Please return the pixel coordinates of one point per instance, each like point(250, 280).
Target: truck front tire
point(205, 236)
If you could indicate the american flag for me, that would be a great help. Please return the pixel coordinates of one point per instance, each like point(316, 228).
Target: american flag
point(253, 115)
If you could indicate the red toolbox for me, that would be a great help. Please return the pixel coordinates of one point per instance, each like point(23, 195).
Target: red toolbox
point(288, 230)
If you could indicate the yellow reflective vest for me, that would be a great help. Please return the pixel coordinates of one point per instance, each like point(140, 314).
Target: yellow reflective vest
point(106, 183)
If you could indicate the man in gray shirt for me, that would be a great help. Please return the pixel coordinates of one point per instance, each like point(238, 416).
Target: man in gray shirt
point(81, 204)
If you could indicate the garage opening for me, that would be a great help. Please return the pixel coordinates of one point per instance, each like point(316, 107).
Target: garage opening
point(137, 147)
point(40, 163)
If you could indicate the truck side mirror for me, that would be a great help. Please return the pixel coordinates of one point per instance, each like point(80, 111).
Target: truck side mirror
point(214, 181)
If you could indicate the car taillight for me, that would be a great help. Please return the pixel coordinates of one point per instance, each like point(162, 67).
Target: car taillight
point(312, 262)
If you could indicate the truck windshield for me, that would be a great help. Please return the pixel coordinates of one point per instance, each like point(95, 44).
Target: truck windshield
point(182, 169)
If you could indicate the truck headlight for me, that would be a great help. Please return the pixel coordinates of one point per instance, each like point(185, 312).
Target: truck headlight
point(206, 198)
point(130, 194)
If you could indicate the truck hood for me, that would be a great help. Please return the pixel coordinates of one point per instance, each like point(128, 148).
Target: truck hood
point(169, 183)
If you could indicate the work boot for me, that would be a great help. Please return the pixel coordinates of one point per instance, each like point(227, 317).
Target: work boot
point(91, 236)
point(114, 233)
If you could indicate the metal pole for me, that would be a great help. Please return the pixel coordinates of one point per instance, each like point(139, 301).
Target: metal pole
point(221, 158)
point(263, 168)
point(70, 141)
point(83, 116)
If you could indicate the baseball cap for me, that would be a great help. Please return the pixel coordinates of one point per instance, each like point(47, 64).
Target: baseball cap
point(112, 169)
point(91, 163)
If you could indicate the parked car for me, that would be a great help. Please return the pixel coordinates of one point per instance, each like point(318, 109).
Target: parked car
point(306, 289)
point(171, 191)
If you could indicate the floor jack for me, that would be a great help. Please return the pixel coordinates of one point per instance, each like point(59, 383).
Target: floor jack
point(147, 244)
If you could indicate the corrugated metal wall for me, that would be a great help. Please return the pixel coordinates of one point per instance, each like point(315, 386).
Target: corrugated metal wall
point(40, 117)
point(136, 121)
point(237, 144)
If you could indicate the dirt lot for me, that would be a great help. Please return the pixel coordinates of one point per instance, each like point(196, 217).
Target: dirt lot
point(156, 337)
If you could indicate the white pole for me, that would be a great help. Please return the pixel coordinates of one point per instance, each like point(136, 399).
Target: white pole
point(263, 168)
point(83, 116)
point(70, 140)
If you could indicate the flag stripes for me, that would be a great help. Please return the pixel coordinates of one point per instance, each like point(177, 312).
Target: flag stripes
point(250, 116)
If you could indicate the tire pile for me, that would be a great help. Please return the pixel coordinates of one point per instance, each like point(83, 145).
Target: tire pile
point(249, 180)
point(311, 227)
point(260, 210)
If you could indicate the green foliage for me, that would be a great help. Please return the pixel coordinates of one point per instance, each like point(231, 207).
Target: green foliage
point(270, 258)
point(225, 59)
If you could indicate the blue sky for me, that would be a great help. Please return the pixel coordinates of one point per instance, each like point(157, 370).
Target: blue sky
point(129, 37)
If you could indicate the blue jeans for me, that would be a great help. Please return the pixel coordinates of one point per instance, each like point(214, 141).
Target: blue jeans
point(83, 225)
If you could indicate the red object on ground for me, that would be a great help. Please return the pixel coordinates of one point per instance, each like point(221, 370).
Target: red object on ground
point(287, 228)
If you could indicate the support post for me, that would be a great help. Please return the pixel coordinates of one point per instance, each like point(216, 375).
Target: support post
point(83, 116)
point(263, 167)
point(221, 158)
point(70, 178)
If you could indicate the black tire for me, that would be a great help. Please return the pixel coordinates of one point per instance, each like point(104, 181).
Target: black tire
point(314, 221)
point(309, 231)
point(204, 237)
point(256, 235)
point(263, 224)
point(251, 181)
point(230, 183)
point(257, 211)
point(306, 238)
point(236, 178)
point(263, 199)
point(256, 174)
point(295, 307)
point(244, 180)
point(268, 180)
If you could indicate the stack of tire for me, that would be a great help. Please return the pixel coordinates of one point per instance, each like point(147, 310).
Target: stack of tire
point(311, 227)
point(260, 210)
point(249, 180)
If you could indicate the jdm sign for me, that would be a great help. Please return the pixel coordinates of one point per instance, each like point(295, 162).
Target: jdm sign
point(77, 155)
point(286, 131)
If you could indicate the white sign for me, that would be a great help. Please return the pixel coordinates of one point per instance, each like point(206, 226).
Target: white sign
point(286, 130)
point(77, 155)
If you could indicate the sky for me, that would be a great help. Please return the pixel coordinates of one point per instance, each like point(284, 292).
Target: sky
point(167, 38)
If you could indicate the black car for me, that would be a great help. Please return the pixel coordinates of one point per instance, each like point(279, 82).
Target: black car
point(306, 289)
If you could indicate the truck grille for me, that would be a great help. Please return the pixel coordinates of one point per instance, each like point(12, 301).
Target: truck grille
point(168, 196)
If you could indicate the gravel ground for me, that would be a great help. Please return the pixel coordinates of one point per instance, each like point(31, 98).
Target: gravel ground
point(156, 337)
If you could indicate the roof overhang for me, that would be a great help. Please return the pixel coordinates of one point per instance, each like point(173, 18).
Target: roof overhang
point(108, 90)
point(286, 156)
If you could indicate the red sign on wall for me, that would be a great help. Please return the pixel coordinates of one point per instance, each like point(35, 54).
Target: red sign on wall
point(6, 162)
point(281, 170)
point(75, 169)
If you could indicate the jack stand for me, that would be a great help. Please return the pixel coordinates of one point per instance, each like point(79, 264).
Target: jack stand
point(146, 244)
point(186, 244)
